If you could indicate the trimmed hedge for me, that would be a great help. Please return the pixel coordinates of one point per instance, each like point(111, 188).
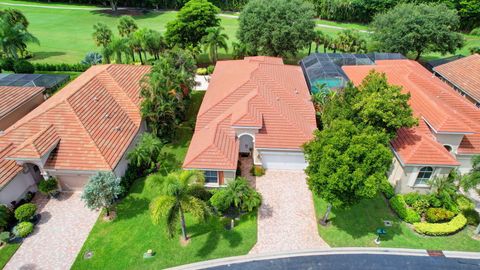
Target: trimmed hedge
point(23, 229)
point(465, 203)
point(61, 67)
point(473, 218)
point(438, 229)
point(398, 205)
point(436, 215)
point(257, 170)
point(23, 67)
point(387, 189)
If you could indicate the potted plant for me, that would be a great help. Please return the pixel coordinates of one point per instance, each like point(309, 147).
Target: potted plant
point(49, 187)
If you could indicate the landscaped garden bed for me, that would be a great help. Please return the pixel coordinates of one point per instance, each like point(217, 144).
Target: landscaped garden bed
point(356, 227)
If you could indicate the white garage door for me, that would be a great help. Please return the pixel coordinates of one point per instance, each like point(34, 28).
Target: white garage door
point(283, 160)
point(72, 182)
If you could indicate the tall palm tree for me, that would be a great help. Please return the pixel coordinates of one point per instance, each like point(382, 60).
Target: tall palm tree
point(117, 47)
point(319, 39)
point(214, 40)
point(178, 197)
point(102, 35)
point(155, 43)
point(14, 38)
point(126, 26)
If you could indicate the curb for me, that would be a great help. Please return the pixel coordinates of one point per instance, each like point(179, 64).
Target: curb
point(323, 252)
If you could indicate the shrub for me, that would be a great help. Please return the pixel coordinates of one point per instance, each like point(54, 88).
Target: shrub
point(257, 170)
point(434, 201)
point(48, 186)
point(25, 212)
point(7, 64)
point(436, 229)
point(398, 205)
point(465, 203)
point(61, 67)
point(474, 49)
point(475, 31)
point(411, 197)
point(24, 67)
point(472, 216)
point(210, 69)
point(92, 58)
point(4, 237)
point(387, 189)
point(23, 229)
point(436, 215)
point(420, 205)
point(5, 216)
point(201, 71)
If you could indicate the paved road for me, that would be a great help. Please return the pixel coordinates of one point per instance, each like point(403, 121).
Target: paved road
point(358, 262)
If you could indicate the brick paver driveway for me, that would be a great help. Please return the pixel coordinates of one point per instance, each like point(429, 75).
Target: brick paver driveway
point(64, 226)
point(287, 217)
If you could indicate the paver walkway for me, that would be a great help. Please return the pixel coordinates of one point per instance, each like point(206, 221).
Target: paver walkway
point(286, 219)
point(63, 228)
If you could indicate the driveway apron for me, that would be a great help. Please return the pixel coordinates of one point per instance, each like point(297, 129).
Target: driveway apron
point(286, 219)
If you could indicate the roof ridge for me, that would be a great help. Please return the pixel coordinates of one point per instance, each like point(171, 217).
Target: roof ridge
point(237, 89)
point(87, 132)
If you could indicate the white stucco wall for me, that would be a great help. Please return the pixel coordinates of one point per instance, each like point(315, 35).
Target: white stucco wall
point(403, 177)
point(453, 140)
point(17, 188)
point(228, 176)
point(465, 163)
point(122, 165)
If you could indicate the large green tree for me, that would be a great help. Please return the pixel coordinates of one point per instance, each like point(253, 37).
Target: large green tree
point(178, 196)
point(276, 27)
point(191, 23)
point(347, 163)
point(350, 41)
point(417, 29)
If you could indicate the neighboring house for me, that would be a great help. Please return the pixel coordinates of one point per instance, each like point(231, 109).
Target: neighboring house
point(88, 126)
point(463, 75)
point(16, 102)
point(448, 134)
point(258, 107)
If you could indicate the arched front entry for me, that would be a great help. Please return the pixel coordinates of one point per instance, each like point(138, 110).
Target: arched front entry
point(246, 143)
point(34, 171)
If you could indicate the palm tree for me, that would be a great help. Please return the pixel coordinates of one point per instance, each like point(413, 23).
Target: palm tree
point(102, 34)
point(147, 152)
point(126, 26)
point(319, 39)
point(118, 46)
point(155, 43)
point(178, 198)
point(214, 40)
point(14, 38)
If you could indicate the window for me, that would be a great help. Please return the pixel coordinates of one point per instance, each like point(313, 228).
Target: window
point(424, 175)
point(211, 176)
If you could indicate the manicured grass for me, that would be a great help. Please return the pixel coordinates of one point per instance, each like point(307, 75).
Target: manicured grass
point(7, 252)
point(356, 227)
point(66, 35)
point(120, 244)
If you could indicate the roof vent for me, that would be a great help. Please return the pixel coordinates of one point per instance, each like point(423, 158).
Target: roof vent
point(106, 116)
point(118, 129)
point(296, 91)
point(278, 98)
point(95, 99)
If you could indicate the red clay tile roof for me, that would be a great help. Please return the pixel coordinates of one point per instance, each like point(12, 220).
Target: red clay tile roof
point(93, 120)
point(12, 97)
point(464, 73)
point(257, 92)
point(436, 104)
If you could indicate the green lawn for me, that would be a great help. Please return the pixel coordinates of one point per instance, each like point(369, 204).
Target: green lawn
point(6, 252)
point(356, 227)
point(120, 244)
point(66, 35)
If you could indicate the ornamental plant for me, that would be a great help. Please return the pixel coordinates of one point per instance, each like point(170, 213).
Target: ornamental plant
point(23, 229)
point(49, 186)
point(25, 212)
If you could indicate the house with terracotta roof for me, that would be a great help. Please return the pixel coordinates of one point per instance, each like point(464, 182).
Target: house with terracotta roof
point(258, 107)
point(86, 127)
point(463, 75)
point(16, 102)
point(448, 134)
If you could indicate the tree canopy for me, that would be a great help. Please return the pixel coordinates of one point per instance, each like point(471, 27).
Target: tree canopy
point(276, 27)
point(101, 191)
point(191, 23)
point(418, 28)
point(14, 35)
